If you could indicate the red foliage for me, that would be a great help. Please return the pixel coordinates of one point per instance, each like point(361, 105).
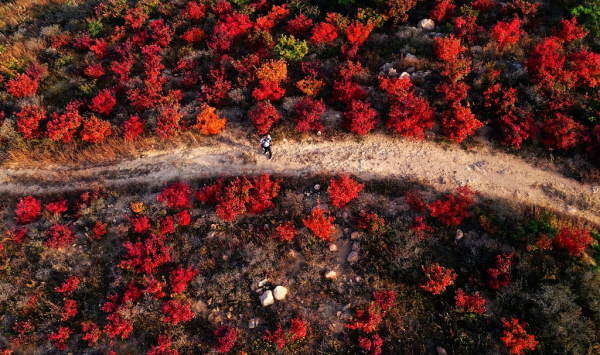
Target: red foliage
point(91, 332)
point(58, 207)
point(216, 92)
point(21, 86)
point(516, 338)
point(299, 26)
point(421, 229)
point(154, 287)
point(470, 303)
point(167, 225)
point(398, 9)
point(298, 329)
point(347, 91)
point(177, 312)
point(161, 33)
point(569, 31)
point(323, 33)
point(194, 11)
point(500, 274)
point(385, 299)
point(560, 131)
point(17, 234)
point(442, 12)
point(167, 125)
point(367, 320)
point(409, 114)
point(263, 116)
point(95, 130)
point(140, 223)
point(98, 231)
point(507, 33)
point(133, 127)
point(118, 326)
point(285, 232)
point(277, 338)
point(147, 256)
point(370, 223)
point(135, 17)
point(60, 337)
point(68, 286)
point(268, 90)
point(94, 71)
point(193, 35)
point(28, 210)
point(438, 278)
point(545, 65)
point(320, 223)
point(359, 118)
point(357, 32)
point(459, 123)
point(465, 27)
point(225, 338)
point(415, 200)
point(343, 190)
point(180, 277)
point(100, 48)
point(372, 345)
point(483, 5)
point(228, 30)
point(499, 98)
point(63, 128)
point(163, 347)
point(183, 218)
point(308, 114)
point(177, 195)
point(586, 68)
point(28, 121)
point(68, 310)
point(456, 207)
point(515, 128)
point(449, 50)
point(59, 236)
point(575, 241)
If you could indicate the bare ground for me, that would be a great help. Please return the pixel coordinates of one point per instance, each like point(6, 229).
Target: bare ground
point(494, 174)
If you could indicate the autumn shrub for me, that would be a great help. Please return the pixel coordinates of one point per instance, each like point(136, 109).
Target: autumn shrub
point(133, 127)
point(449, 51)
point(176, 311)
point(466, 28)
point(28, 210)
point(64, 127)
point(29, 119)
point(310, 87)
point(516, 127)
point(500, 276)
point(371, 345)
point(367, 320)
point(176, 195)
point(285, 232)
point(146, 256)
point(273, 70)
point(98, 231)
point(560, 131)
point(91, 333)
point(180, 277)
point(438, 278)
point(193, 36)
point(308, 114)
point(421, 228)
point(371, 223)
point(194, 11)
point(585, 67)
point(117, 326)
point(299, 26)
point(397, 10)
point(455, 208)
point(442, 12)
point(291, 49)
point(95, 130)
point(320, 223)
point(225, 338)
point(347, 91)
point(68, 310)
point(68, 286)
point(60, 337)
point(208, 122)
point(546, 66)
point(163, 347)
point(343, 190)
point(507, 33)
point(59, 236)
point(277, 337)
point(168, 123)
point(569, 30)
point(215, 90)
point(357, 32)
point(264, 116)
point(416, 201)
point(268, 90)
point(459, 122)
point(516, 338)
point(21, 86)
point(575, 241)
point(359, 117)
point(323, 33)
point(470, 303)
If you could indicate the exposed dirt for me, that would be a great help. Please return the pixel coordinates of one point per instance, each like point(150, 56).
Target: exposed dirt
point(494, 174)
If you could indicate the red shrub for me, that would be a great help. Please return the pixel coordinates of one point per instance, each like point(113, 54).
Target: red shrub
point(442, 12)
point(459, 123)
point(100, 48)
point(308, 114)
point(117, 326)
point(140, 223)
point(499, 98)
point(546, 66)
point(277, 338)
point(516, 338)
point(68, 310)
point(359, 118)
point(449, 50)
point(456, 207)
point(103, 102)
point(163, 347)
point(453, 93)
point(560, 131)
point(371, 345)
point(161, 33)
point(28, 121)
point(228, 30)
point(95, 130)
point(17, 234)
point(59, 339)
point(470, 303)
point(320, 223)
point(575, 241)
point(323, 33)
point(94, 71)
point(298, 329)
point(263, 116)
point(268, 90)
point(299, 26)
point(177, 312)
point(385, 299)
point(465, 27)
point(216, 92)
point(133, 127)
point(28, 210)
point(367, 320)
point(483, 5)
point(183, 218)
point(21, 86)
point(438, 278)
point(415, 200)
point(586, 68)
point(167, 225)
point(177, 195)
point(168, 123)
point(65, 126)
point(194, 11)
point(180, 277)
point(58, 207)
point(357, 32)
point(569, 31)
point(285, 232)
point(516, 127)
point(507, 33)
point(154, 287)
point(225, 338)
point(68, 286)
point(147, 256)
point(59, 236)
point(370, 223)
point(421, 229)
point(343, 190)
point(193, 35)
point(135, 17)
point(347, 91)
point(91, 332)
point(500, 274)
point(98, 231)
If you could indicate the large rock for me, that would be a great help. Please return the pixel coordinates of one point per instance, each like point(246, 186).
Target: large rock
point(280, 292)
point(352, 257)
point(266, 299)
point(355, 236)
point(426, 24)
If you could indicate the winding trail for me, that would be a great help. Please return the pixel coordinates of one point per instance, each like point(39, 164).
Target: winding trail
point(494, 174)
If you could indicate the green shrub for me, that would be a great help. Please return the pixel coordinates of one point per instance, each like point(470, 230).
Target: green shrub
point(589, 16)
point(95, 27)
point(290, 48)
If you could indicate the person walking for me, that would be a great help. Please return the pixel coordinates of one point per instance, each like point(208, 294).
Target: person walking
point(265, 143)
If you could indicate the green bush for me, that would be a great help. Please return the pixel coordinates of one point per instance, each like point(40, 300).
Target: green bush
point(290, 48)
point(96, 28)
point(589, 16)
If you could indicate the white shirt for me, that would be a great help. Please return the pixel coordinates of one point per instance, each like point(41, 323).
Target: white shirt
point(265, 142)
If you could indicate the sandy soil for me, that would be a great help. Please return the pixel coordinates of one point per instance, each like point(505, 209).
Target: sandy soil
point(494, 174)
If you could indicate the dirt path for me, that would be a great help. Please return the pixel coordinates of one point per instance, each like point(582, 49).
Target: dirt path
point(494, 174)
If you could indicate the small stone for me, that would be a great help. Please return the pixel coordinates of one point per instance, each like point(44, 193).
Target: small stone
point(263, 282)
point(319, 133)
point(410, 56)
point(426, 24)
point(355, 246)
point(279, 293)
point(393, 72)
point(339, 314)
point(594, 189)
point(285, 139)
point(330, 275)
point(317, 187)
point(331, 327)
point(571, 209)
point(441, 351)
point(266, 299)
point(352, 257)
point(345, 215)
point(346, 230)
point(253, 323)
point(333, 248)
point(355, 236)
point(459, 234)
point(404, 75)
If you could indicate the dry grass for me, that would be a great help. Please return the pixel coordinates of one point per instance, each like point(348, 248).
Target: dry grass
point(14, 12)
